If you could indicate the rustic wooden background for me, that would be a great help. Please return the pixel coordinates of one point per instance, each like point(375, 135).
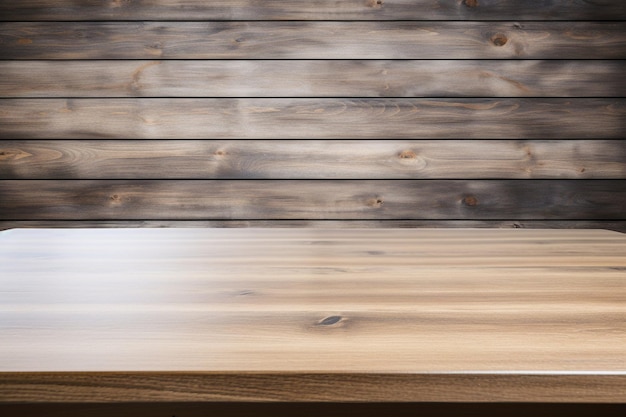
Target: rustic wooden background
point(397, 113)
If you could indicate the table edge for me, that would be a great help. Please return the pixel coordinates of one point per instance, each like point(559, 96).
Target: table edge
point(117, 387)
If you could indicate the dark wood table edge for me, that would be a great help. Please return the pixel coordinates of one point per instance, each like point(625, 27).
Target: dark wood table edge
point(483, 387)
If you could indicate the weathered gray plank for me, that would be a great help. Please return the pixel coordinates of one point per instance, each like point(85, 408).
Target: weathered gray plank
point(312, 40)
point(354, 78)
point(312, 10)
point(309, 159)
point(313, 199)
point(615, 225)
point(312, 118)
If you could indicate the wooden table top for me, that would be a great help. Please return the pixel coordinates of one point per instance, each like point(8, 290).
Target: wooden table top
point(310, 314)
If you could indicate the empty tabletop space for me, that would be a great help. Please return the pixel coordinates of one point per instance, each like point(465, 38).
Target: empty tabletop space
point(312, 315)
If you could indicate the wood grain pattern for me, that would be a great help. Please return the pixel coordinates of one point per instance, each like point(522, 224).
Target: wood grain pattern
point(615, 225)
point(295, 314)
point(491, 118)
point(312, 199)
point(225, 388)
point(313, 40)
point(310, 159)
point(310, 314)
point(303, 78)
point(313, 10)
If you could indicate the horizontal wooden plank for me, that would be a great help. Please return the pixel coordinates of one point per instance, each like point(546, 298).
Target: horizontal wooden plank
point(303, 315)
point(313, 40)
point(614, 225)
point(293, 118)
point(312, 199)
point(334, 78)
point(310, 159)
point(219, 391)
point(313, 10)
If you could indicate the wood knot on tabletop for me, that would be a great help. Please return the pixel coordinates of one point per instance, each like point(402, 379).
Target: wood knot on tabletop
point(470, 3)
point(329, 321)
point(408, 154)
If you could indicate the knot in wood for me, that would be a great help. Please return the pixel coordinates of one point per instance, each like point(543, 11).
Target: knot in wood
point(375, 202)
point(470, 3)
point(499, 39)
point(408, 154)
point(470, 200)
point(377, 4)
point(329, 321)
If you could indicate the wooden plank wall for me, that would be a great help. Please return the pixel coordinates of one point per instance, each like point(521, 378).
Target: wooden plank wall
point(358, 113)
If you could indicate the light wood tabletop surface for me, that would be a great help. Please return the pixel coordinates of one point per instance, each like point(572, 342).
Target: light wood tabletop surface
point(312, 315)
